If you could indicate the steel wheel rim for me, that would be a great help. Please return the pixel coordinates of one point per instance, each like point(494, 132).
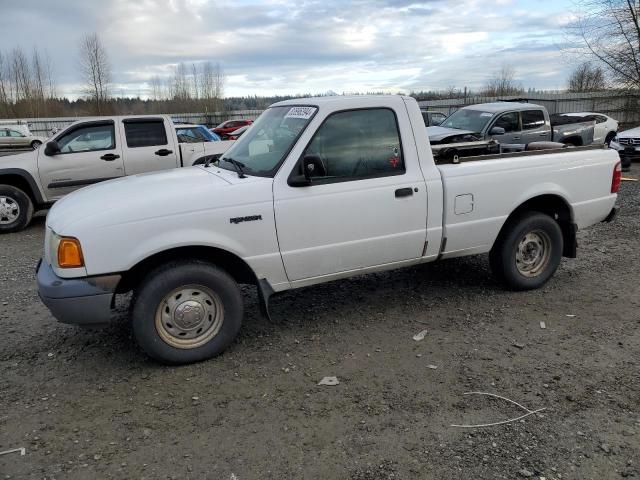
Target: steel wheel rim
point(189, 316)
point(9, 210)
point(35, 145)
point(533, 253)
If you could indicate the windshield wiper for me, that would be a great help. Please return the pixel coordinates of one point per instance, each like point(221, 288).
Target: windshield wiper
point(237, 165)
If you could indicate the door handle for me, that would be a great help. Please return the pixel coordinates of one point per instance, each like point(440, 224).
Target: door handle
point(516, 138)
point(163, 152)
point(404, 192)
point(109, 157)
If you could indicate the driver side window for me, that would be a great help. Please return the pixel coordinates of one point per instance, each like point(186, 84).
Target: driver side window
point(89, 138)
point(509, 121)
point(357, 144)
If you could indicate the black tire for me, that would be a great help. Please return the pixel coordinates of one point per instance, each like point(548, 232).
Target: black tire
point(14, 203)
point(518, 243)
point(36, 144)
point(609, 138)
point(149, 305)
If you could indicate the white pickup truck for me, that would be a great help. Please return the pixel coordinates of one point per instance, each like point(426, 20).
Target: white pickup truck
point(318, 189)
point(91, 151)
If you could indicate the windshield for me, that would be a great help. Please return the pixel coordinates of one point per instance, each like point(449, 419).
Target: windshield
point(264, 145)
point(465, 119)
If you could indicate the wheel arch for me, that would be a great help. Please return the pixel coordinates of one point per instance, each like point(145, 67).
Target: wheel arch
point(558, 208)
point(230, 262)
point(21, 179)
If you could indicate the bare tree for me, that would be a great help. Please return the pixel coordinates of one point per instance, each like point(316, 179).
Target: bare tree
point(96, 71)
point(156, 87)
point(195, 80)
point(20, 72)
point(608, 32)
point(4, 87)
point(587, 78)
point(180, 90)
point(503, 83)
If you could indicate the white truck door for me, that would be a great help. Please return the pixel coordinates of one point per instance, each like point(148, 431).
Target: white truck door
point(148, 146)
point(88, 153)
point(367, 204)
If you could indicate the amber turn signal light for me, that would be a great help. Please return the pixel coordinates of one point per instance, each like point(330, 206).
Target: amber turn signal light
point(70, 253)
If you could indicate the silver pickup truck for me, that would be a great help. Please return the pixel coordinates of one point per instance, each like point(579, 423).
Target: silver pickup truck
point(91, 151)
point(513, 125)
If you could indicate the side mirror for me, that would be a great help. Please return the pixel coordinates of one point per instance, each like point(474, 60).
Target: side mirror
point(51, 148)
point(312, 166)
point(497, 131)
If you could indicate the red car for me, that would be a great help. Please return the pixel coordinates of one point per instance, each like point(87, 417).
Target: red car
point(225, 128)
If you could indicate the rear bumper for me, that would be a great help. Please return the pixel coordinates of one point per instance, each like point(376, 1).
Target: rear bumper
point(81, 301)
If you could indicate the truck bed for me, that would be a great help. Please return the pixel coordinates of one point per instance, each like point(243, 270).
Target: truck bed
point(472, 217)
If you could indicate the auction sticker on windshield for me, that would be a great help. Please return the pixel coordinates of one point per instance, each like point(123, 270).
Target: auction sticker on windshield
point(301, 112)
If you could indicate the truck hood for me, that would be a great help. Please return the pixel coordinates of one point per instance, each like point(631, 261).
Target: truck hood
point(140, 197)
point(440, 133)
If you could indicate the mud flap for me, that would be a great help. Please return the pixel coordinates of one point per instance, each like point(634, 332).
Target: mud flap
point(264, 293)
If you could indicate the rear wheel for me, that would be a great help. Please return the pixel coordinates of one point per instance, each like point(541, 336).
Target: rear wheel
point(186, 312)
point(16, 209)
point(527, 252)
point(35, 144)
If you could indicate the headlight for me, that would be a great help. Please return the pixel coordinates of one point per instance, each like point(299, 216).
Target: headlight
point(66, 252)
point(615, 139)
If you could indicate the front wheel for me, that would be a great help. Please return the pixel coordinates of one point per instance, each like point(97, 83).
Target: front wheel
point(16, 209)
point(36, 144)
point(185, 312)
point(527, 252)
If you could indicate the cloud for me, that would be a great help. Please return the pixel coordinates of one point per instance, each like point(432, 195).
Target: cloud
point(286, 46)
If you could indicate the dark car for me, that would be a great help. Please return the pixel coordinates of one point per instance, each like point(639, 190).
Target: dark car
point(225, 128)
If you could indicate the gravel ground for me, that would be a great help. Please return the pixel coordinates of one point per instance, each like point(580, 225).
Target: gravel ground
point(89, 404)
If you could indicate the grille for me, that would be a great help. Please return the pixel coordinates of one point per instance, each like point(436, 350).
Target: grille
point(629, 141)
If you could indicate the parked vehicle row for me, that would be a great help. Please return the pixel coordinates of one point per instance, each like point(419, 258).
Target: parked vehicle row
point(230, 126)
point(19, 136)
point(316, 190)
point(513, 125)
point(92, 151)
point(189, 133)
point(510, 126)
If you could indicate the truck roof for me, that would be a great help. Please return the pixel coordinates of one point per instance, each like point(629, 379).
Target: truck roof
point(333, 99)
point(502, 106)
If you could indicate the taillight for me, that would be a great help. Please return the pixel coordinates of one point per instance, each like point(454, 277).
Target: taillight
point(616, 178)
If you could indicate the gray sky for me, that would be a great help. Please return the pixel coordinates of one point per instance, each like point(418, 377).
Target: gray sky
point(283, 46)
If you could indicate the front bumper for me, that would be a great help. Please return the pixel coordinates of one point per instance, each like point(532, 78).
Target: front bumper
point(81, 301)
